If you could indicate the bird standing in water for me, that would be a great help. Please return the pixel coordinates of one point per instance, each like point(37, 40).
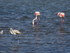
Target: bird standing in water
point(61, 15)
point(14, 32)
point(35, 20)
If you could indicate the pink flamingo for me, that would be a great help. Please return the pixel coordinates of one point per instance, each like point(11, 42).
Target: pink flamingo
point(61, 15)
point(34, 21)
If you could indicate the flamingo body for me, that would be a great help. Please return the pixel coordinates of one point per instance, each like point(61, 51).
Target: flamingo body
point(35, 20)
point(61, 14)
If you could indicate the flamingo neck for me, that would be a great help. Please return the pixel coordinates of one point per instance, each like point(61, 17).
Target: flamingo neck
point(36, 17)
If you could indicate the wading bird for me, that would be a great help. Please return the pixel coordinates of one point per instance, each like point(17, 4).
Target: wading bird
point(36, 19)
point(14, 32)
point(61, 15)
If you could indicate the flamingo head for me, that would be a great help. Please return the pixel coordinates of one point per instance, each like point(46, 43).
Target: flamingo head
point(58, 13)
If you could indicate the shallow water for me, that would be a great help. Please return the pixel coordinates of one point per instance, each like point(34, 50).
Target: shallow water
point(50, 36)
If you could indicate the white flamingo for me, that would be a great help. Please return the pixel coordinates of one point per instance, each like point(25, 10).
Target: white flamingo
point(14, 32)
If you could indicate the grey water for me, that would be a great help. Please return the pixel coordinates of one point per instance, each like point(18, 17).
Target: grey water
point(49, 36)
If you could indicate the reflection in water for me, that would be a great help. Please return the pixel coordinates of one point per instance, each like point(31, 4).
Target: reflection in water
point(37, 36)
point(15, 47)
point(37, 30)
point(36, 27)
point(62, 29)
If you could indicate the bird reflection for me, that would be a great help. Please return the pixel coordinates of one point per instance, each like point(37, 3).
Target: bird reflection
point(62, 29)
point(15, 49)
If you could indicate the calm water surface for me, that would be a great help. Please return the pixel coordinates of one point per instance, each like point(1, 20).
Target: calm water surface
point(50, 36)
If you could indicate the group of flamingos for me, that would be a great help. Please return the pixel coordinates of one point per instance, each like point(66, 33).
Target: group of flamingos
point(34, 22)
point(37, 13)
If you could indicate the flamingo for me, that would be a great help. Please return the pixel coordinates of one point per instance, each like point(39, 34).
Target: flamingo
point(14, 32)
point(34, 21)
point(61, 15)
